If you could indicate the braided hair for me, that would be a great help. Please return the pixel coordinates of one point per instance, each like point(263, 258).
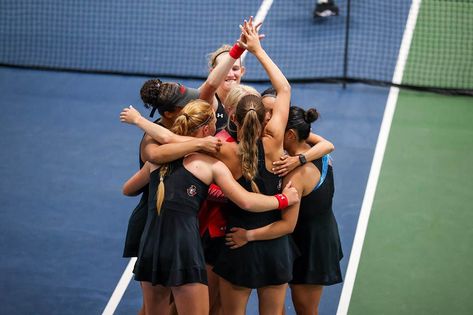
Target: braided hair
point(196, 114)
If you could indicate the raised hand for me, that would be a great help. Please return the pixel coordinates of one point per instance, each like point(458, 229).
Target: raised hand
point(130, 115)
point(250, 38)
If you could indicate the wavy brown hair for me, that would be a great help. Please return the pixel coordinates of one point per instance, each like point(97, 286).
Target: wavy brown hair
point(250, 114)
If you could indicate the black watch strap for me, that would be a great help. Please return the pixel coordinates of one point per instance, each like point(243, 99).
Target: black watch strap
point(302, 159)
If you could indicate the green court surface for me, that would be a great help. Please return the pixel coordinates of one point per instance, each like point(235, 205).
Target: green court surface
point(417, 253)
point(436, 58)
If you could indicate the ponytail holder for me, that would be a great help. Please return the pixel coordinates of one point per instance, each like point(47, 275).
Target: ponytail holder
point(236, 51)
point(282, 200)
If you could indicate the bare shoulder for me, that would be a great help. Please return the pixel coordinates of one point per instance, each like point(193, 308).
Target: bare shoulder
point(200, 165)
point(203, 160)
point(296, 175)
point(304, 178)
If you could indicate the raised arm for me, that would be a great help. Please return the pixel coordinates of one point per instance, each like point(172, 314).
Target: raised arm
point(320, 147)
point(238, 237)
point(248, 200)
point(218, 74)
point(274, 127)
point(156, 134)
point(162, 135)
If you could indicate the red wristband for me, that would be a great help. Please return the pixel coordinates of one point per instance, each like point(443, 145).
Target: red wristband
point(236, 51)
point(283, 201)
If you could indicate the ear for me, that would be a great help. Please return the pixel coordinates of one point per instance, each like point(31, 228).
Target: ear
point(205, 130)
point(243, 70)
point(291, 134)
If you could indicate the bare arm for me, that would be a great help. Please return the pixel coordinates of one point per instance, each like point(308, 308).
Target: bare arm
point(239, 237)
point(135, 183)
point(166, 153)
point(278, 80)
point(216, 77)
point(248, 200)
point(218, 74)
point(162, 135)
point(320, 147)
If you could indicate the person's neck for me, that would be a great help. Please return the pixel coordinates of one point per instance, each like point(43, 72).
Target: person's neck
point(167, 123)
point(298, 148)
point(222, 95)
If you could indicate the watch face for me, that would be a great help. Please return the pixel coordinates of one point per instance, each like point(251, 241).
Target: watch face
point(302, 159)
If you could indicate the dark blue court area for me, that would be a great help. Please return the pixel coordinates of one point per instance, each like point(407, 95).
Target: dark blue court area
point(65, 156)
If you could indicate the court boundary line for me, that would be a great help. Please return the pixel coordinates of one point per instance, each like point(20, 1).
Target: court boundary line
point(260, 17)
point(127, 275)
point(120, 289)
point(375, 170)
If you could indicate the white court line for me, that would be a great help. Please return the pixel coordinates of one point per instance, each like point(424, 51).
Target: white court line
point(128, 272)
point(260, 16)
point(377, 161)
point(120, 288)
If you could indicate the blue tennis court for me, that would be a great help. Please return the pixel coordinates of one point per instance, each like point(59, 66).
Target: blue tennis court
point(65, 155)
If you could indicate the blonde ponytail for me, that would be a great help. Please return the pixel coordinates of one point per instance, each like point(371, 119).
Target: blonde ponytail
point(160, 193)
point(193, 116)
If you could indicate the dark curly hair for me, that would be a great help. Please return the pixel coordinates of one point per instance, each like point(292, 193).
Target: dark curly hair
point(158, 95)
point(300, 120)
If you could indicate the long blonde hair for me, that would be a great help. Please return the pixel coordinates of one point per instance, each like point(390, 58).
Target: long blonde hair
point(196, 114)
point(235, 95)
point(250, 114)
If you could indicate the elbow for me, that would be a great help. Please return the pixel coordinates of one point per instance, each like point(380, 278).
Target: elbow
point(291, 228)
point(245, 205)
point(211, 85)
point(166, 139)
point(151, 156)
point(127, 192)
point(284, 88)
point(330, 147)
point(157, 159)
point(208, 89)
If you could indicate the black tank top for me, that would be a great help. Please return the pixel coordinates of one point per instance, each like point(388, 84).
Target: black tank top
point(268, 184)
point(183, 191)
point(221, 114)
point(319, 201)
